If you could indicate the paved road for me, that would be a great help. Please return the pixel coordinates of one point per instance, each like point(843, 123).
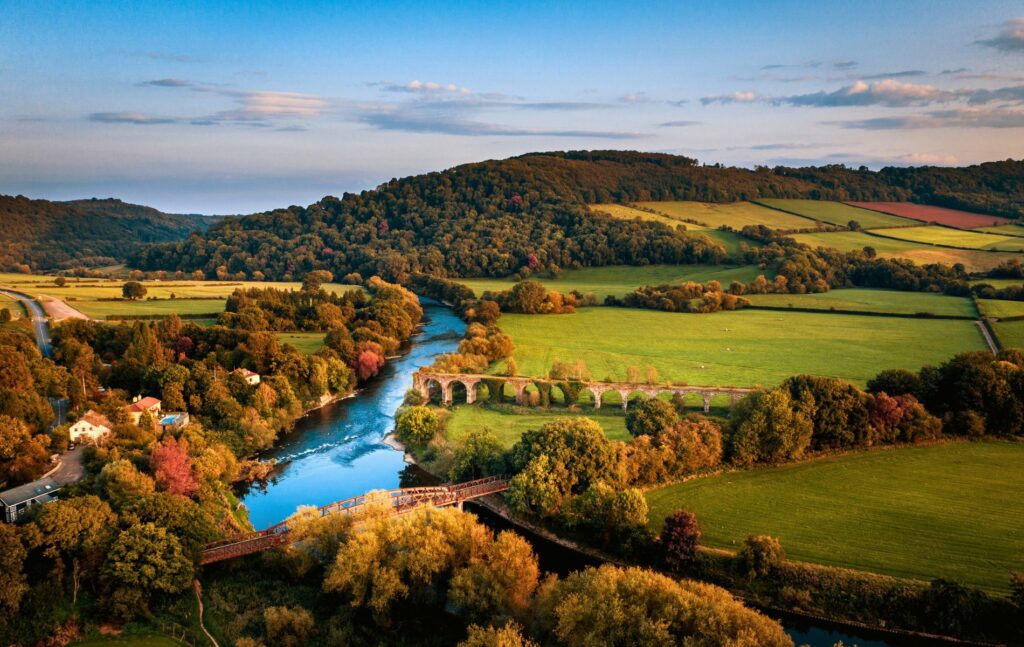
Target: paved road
point(42, 329)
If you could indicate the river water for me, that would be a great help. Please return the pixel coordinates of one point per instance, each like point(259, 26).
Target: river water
point(337, 452)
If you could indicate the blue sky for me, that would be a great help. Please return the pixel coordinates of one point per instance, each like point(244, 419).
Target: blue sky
point(233, 107)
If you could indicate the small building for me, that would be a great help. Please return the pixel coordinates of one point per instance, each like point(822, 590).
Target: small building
point(252, 379)
point(139, 406)
point(91, 426)
point(173, 421)
point(17, 501)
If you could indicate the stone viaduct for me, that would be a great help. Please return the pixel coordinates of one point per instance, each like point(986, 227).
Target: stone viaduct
point(445, 383)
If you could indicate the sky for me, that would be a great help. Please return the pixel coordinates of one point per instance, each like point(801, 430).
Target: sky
point(236, 107)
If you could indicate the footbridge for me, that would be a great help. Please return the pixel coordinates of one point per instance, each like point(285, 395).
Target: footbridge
point(402, 500)
point(424, 380)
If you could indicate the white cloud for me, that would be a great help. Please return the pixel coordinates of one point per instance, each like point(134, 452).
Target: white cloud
point(888, 92)
point(930, 159)
point(747, 96)
point(1009, 39)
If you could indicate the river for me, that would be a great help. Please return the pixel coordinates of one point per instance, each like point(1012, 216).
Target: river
point(337, 452)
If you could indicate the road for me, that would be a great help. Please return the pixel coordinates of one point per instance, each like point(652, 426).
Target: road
point(42, 329)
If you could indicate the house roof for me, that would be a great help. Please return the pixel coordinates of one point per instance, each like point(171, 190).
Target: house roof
point(29, 491)
point(245, 372)
point(145, 404)
point(96, 419)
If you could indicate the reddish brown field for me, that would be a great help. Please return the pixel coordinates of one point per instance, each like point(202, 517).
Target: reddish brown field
point(941, 215)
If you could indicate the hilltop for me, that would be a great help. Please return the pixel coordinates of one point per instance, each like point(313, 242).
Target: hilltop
point(46, 235)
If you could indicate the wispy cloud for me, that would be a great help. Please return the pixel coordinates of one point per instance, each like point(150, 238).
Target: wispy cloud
point(861, 93)
point(929, 159)
point(427, 87)
point(168, 83)
point(137, 118)
point(1009, 39)
point(677, 124)
point(405, 121)
point(971, 117)
point(747, 96)
point(902, 74)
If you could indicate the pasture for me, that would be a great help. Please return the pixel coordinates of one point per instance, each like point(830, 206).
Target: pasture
point(306, 343)
point(940, 215)
point(1000, 308)
point(1011, 333)
point(963, 238)
point(508, 424)
point(837, 213)
point(17, 310)
point(624, 212)
point(617, 280)
point(870, 300)
point(1004, 230)
point(848, 241)
point(733, 214)
point(918, 512)
point(739, 348)
point(101, 298)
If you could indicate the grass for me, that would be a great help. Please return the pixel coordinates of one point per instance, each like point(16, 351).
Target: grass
point(1000, 308)
point(623, 212)
point(1011, 333)
point(963, 238)
point(868, 300)
point(837, 213)
point(738, 211)
point(508, 426)
point(617, 280)
point(999, 283)
point(1003, 230)
point(144, 640)
point(973, 260)
point(304, 342)
point(740, 348)
point(734, 214)
point(730, 240)
point(17, 310)
point(191, 297)
point(920, 512)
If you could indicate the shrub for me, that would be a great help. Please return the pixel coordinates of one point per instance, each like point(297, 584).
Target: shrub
point(761, 555)
point(479, 455)
point(651, 417)
point(679, 539)
point(417, 425)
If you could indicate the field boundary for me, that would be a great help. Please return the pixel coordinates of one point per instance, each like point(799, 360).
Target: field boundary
point(874, 232)
point(866, 313)
point(917, 223)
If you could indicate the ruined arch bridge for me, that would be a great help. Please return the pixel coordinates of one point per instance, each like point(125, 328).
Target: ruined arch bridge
point(423, 380)
point(402, 501)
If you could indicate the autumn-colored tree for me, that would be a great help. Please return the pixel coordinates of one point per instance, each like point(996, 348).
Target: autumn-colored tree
point(144, 559)
point(13, 582)
point(133, 290)
point(417, 425)
point(679, 539)
point(289, 626)
point(77, 530)
point(13, 433)
point(313, 280)
point(498, 585)
point(479, 454)
point(760, 555)
point(650, 417)
point(510, 635)
point(173, 468)
point(121, 482)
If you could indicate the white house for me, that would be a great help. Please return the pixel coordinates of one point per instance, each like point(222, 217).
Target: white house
point(252, 379)
point(91, 426)
point(139, 406)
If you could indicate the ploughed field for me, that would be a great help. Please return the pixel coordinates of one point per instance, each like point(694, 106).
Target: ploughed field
point(617, 280)
point(929, 213)
point(739, 348)
point(101, 298)
point(921, 512)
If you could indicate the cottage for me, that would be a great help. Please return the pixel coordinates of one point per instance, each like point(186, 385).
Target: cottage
point(252, 379)
point(92, 426)
point(17, 501)
point(139, 406)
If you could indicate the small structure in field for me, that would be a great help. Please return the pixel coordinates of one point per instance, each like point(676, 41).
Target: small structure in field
point(91, 426)
point(17, 501)
point(139, 406)
point(173, 421)
point(252, 379)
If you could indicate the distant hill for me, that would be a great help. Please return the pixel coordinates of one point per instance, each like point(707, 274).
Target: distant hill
point(45, 235)
point(496, 217)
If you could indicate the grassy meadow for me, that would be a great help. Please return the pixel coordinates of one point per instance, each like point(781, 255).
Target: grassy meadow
point(871, 300)
point(837, 213)
point(617, 280)
point(963, 238)
point(740, 348)
point(1003, 230)
point(973, 260)
point(1000, 308)
point(17, 310)
point(734, 214)
point(920, 512)
point(623, 212)
point(304, 342)
point(1011, 333)
point(509, 425)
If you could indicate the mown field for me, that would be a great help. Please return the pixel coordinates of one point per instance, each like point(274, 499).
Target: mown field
point(869, 300)
point(1011, 333)
point(91, 296)
point(740, 348)
point(929, 213)
point(617, 280)
point(734, 214)
point(1004, 230)
point(1001, 308)
point(965, 238)
point(838, 213)
point(920, 512)
point(509, 426)
point(973, 260)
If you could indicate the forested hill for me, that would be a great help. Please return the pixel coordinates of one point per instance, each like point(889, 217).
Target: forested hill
point(44, 235)
point(493, 218)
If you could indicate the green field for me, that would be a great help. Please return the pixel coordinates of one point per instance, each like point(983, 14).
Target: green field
point(999, 283)
point(17, 310)
point(1000, 308)
point(510, 426)
point(304, 342)
point(1011, 333)
point(837, 213)
point(1003, 230)
point(963, 238)
point(973, 260)
point(153, 640)
point(921, 512)
point(868, 300)
point(191, 297)
point(624, 212)
point(741, 348)
point(734, 214)
point(617, 280)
